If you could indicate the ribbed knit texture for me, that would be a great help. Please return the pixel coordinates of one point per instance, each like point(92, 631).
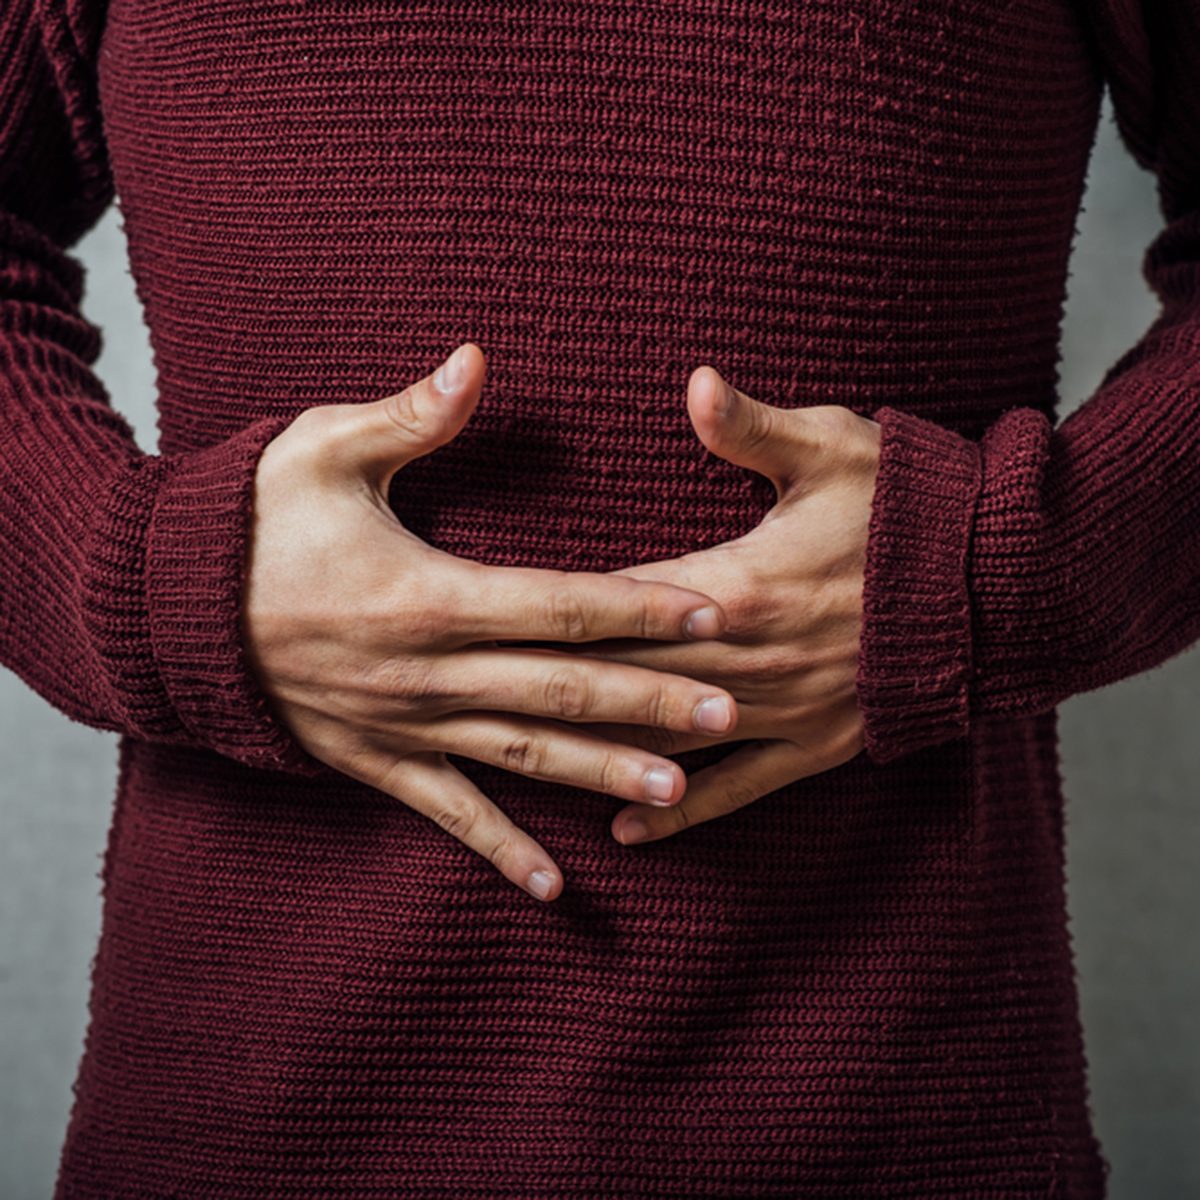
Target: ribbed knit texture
point(861, 985)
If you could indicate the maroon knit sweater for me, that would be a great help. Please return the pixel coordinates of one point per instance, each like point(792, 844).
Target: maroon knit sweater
point(859, 986)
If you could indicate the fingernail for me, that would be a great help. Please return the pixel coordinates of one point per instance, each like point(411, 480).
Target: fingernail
point(540, 883)
point(450, 374)
point(703, 623)
point(713, 715)
point(660, 785)
point(632, 830)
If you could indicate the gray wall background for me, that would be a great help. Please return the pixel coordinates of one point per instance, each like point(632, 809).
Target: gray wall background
point(1131, 762)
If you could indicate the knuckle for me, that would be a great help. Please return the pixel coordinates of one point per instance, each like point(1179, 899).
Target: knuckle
point(417, 612)
point(760, 429)
point(650, 612)
point(362, 761)
point(457, 819)
point(739, 791)
point(660, 709)
point(660, 611)
point(751, 606)
point(609, 773)
point(423, 625)
point(681, 817)
point(644, 623)
point(567, 614)
point(774, 664)
point(413, 685)
point(502, 852)
point(524, 754)
point(745, 677)
point(402, 410)
point(568, 693)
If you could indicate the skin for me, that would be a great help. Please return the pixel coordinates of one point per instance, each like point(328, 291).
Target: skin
point(792, 590)
point(381, 653)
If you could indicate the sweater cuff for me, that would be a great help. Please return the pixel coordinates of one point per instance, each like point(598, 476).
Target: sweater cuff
point(914, 665)
point(163, 595)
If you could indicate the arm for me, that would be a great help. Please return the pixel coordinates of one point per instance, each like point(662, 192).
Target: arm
point(1063, 558)
point(149, 594)
point(120, 572)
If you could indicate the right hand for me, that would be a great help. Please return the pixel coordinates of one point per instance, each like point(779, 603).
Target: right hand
point(378, 651)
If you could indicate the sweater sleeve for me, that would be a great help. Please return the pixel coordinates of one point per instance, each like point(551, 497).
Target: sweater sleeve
point(120, 572)
point(1008, 573)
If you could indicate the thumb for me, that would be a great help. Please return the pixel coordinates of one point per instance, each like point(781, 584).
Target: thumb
point(381, 436)
point(741, 430)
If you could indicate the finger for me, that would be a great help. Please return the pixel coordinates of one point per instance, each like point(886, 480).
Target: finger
point(559, 754)
point(745, 775)
point(754, 721)
point(661, 741)
point(436, 788)
point(745, 431)
point(573, 687)
point(376, 438)
point(697, 569)
point(574, 606)
point(707, 661)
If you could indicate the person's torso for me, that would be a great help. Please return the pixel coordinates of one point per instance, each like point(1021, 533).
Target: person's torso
point(854, 203)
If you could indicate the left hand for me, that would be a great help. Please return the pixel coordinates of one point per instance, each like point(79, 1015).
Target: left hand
point(792, 592)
